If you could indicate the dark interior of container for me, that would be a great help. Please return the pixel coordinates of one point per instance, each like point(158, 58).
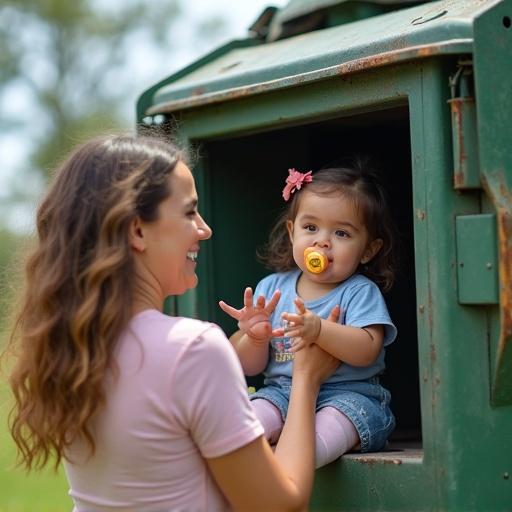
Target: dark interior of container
point(243, 179)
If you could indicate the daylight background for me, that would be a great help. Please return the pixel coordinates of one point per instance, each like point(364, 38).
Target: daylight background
point(70, 69)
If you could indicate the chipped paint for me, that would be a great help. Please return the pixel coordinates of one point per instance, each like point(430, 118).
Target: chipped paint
point(464, 139)
point(496, 187)
point(201, 97)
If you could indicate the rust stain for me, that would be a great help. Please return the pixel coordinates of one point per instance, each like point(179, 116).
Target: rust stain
point(505, 250)
point(459, 180)
point(373, 461)
point(199, 91)
point(201, 96)
point(433, 353)
point(496, 187)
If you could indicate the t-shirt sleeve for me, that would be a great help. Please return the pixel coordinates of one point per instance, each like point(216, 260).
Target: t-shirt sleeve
point(209, 396)
point(266, 287)
point(368, 307)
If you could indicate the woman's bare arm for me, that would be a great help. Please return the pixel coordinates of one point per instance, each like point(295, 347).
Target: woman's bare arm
point(255, 478)
point(253, 354)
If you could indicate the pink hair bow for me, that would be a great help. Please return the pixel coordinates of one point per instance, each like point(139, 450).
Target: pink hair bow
point(295, 181)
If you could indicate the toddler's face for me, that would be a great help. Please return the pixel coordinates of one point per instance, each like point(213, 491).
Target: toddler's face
point(334, 226)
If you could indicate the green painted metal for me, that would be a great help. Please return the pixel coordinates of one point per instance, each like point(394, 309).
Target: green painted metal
point(466, 171)
point(300, 16)
point(146, 100)
point(493, 47)
point(408, 34)
point(477, 260)
point(451, 361)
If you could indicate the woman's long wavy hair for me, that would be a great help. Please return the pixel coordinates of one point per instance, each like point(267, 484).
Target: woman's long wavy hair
point(361, 184)
point(78, 290)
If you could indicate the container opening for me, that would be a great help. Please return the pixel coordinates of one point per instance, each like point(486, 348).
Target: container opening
point(243, 178)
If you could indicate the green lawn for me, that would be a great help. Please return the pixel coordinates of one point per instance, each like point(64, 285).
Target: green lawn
point(43, 491)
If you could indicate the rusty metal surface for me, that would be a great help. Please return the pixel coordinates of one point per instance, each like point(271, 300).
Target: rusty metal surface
point(419, 31)
point(493, 76)
point(496, 187)
point(465, 146)
point(395, 457)
point(200, 97)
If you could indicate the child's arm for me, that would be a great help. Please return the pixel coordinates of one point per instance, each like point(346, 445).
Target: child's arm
point(353, 345)
point(251, 342)
point(253, 353)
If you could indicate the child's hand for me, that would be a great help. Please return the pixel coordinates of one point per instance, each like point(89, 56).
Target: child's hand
point(254, 320)
point(306, 326)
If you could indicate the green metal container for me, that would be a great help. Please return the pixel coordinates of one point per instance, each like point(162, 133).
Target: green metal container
point(426, 89)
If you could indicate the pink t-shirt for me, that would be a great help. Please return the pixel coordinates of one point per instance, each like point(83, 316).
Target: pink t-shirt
point(180, 398)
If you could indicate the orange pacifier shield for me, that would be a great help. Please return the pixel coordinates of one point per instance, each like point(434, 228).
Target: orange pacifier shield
point(315, 261)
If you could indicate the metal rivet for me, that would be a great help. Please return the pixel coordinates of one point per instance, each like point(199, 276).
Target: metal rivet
point(489, 266)
point(421, 308)
point(506, 475)
point(420, 214)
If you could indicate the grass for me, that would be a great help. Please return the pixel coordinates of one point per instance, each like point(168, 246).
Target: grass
point(44, 491)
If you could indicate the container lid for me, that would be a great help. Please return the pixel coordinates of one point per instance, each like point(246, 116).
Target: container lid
point(252, 66)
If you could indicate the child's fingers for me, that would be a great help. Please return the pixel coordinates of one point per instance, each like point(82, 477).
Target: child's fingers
point(334, 315)
point(230, 310)
point(278, 333)
point(293, 318)
point(297, 345)
point(272, 303)
point(248, 297)
point(299, 304)
point(293, 333)
point(260, 302)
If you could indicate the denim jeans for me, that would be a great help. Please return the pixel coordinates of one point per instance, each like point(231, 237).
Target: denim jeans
point(365, 403)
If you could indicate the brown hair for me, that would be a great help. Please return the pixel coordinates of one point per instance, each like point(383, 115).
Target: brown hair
point(78, 292)
point(359, 183)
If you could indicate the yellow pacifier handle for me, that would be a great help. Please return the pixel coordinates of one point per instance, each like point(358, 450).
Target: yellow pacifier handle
point(315, 260)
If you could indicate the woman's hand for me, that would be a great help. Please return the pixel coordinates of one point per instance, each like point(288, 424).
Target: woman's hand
point(314, 364)
point(254, 320)
point(305, 326)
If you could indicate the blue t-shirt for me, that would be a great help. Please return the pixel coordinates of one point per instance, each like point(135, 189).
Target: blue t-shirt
point(361, 304)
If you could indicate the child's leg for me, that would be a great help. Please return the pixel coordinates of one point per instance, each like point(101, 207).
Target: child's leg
point(270, 417)
point(335, 435)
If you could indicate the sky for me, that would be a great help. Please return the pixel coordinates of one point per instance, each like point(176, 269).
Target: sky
point(14, 145)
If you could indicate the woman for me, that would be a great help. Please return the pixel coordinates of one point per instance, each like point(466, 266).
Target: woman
point(148, 412)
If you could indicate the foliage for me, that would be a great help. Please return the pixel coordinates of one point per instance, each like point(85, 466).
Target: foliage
point(73, 58)
point(44, 491)
point(9, 246)
point(67, 53)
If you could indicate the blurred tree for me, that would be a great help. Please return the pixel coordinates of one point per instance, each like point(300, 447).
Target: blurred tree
point(73, 55)
point(10, 243)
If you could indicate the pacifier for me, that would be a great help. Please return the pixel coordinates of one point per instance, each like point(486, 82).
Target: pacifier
point(315, 260)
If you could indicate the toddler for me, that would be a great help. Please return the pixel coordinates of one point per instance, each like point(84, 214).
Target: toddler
point(332, 250)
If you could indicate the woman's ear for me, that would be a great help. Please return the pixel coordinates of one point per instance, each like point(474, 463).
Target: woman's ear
point(136, 235)
point(289, 228)
point(373, 248)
